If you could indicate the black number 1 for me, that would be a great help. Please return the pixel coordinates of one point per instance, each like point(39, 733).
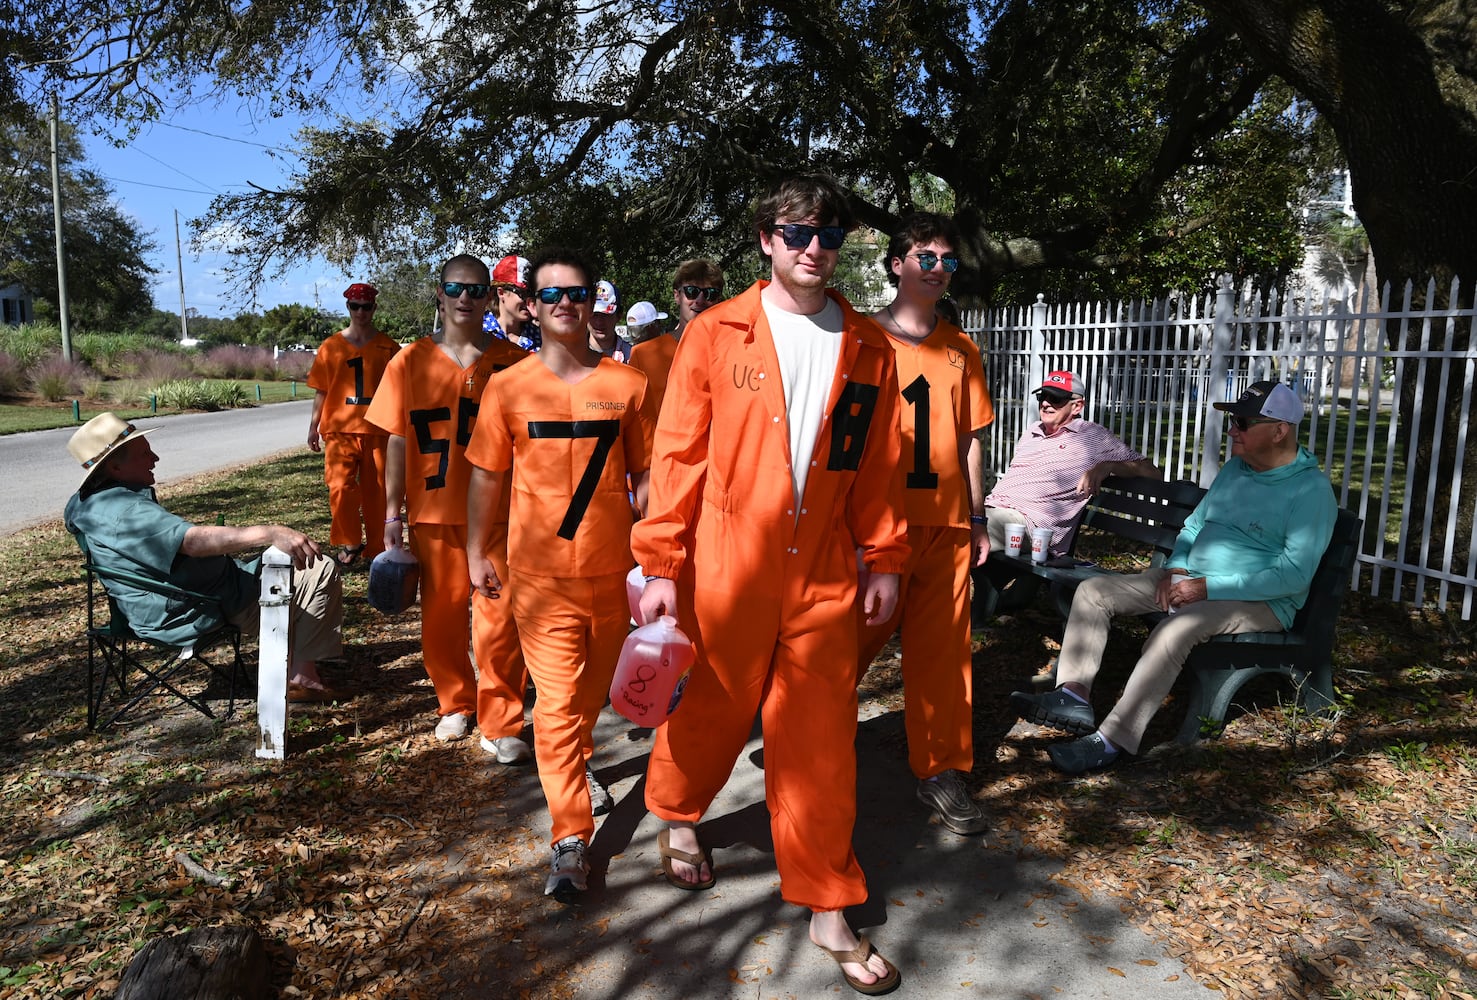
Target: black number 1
point(358, 399)
point(922, 477)
point(605, 433)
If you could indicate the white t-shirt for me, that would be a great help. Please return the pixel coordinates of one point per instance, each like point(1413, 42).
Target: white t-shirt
point(809, 348)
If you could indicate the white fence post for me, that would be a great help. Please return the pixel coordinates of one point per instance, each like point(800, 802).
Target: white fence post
point(274, 648)
point(1036, 371)
point(1222, 338)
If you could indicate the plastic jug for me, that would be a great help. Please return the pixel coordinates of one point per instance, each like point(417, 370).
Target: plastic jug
point(652, 672)
point(635, 584)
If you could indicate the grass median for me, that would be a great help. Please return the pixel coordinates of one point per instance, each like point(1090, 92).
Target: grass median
point(1294, 856)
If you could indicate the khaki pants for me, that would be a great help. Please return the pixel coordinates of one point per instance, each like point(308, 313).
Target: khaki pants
point(317, 612)
point(1169, 644)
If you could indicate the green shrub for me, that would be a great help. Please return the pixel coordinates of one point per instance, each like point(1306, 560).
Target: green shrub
point(192, 394)
point(31, 343)
point(12, 378)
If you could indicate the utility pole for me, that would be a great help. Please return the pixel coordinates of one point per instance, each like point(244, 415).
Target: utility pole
point(179, 262)
point(61, 253)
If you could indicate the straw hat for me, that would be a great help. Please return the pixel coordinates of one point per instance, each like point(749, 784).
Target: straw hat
point(98, 438)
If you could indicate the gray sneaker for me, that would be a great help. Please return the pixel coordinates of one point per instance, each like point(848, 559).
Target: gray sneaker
point(1054, 708)
point(568, 871)
point(601, 801)
point(946, 795)
point(508, 750)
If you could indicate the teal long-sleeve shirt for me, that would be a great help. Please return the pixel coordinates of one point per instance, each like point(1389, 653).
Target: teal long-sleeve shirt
point(1258, 536)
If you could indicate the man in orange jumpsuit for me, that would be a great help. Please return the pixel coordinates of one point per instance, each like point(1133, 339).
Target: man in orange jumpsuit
point(944, 404)
point(775, 461)
point(344, 376)
point(569, 423)
point(428, 405)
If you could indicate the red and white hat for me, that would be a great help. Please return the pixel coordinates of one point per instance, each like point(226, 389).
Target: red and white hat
point(511, 270)
point(1064, 381)
point(361, 292)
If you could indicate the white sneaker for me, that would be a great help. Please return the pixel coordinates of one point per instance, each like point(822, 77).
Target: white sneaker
point(601, 801)
point(568, 871)
point(453, 727)
point(508, 750)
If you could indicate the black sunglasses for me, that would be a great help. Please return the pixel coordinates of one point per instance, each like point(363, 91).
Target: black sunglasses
point(356, 306)
point(694, 292)
point(1053, 398)
point(797, 236)
point(928, 261)
point(1243, 424)
point(454, 289)
point(578, 294)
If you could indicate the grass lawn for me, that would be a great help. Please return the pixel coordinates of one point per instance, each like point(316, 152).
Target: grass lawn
point(1294, 857)
point(39, 415)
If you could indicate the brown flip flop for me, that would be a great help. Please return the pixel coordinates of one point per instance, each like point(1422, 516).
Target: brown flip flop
point(889, 981)
point(670, 854)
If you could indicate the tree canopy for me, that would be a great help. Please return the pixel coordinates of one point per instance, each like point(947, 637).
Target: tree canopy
point(106, 253)
point(1082, 146)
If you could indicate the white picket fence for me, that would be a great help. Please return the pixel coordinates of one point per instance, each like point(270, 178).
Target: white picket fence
point(1154, 368)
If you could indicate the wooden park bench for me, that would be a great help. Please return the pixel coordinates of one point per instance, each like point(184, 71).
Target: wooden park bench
point(1150, 513)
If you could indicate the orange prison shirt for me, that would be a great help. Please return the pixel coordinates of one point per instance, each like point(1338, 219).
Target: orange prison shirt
point(432, 402)
point(348, 377)
point(654, 358)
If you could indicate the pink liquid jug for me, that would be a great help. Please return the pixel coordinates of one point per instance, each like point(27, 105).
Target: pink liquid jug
point(652, 672)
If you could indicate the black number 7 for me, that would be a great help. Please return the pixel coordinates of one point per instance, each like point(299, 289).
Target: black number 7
point(605, 433)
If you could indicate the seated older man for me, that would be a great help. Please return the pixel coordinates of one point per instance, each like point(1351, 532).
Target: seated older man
point(117, 511)
point(1243, 562)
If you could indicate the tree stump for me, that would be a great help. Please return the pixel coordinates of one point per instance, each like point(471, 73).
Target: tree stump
point(209, 963)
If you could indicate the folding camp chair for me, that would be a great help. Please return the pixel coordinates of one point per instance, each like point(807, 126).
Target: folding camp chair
point(113, 646)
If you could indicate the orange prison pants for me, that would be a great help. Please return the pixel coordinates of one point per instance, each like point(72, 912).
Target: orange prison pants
point(502, 677)
point(933, 610)
point(788, 654)
point(446, 634)
point(572, 631)
point(354, 469)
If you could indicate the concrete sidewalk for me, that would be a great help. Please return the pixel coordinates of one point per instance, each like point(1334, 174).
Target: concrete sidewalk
point(960, 917)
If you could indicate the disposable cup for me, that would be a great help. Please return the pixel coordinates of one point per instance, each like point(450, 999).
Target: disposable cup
point(1040, 544)
point(1015, 539)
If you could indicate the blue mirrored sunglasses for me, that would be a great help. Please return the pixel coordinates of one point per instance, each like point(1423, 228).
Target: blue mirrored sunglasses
point(928, 261)
point(454, 289)
point(578, 294)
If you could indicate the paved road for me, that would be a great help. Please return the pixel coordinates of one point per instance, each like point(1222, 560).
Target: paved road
point(40, 474)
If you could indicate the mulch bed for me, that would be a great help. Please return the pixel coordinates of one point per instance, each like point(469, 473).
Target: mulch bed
point(1293, 857)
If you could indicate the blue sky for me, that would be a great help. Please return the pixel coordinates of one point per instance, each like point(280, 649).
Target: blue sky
point(203, 152)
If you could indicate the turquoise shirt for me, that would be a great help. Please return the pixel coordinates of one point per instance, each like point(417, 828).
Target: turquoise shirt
point(127, 530)
point(1258, 536)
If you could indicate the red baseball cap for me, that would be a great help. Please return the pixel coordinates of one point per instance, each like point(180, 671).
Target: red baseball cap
point(511, 270)
point(360, 292)
point(1064, 381)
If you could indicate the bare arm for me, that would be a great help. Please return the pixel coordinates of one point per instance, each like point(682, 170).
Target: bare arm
point(482, 493)
point(974, 493)
point(1093, 477)
point(641, 485)
point(220, 540)
point(313, 440)
point(394, 490)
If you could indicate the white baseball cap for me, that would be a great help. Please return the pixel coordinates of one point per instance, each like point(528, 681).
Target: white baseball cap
point(642, 313)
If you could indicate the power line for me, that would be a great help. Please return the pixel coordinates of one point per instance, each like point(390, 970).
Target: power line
point(227, 138)
point(175, 169)
point(162, 187)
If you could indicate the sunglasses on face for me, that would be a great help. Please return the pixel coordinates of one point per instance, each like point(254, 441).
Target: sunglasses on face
point(1243, 424)
point(1055, 400)
point(454, 289)
point(695, 292)
point(578, 294)
point(928, 261)
point(797, 236)
point(356, 306)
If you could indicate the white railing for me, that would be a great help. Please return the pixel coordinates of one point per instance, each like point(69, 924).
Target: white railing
point(1153, 369)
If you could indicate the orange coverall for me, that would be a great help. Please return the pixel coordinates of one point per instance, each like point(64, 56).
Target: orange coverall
point(432, 402)
point(944, 400)
point(767, 587)
point(654, 358)
point(353, 448)
point(570, 447)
